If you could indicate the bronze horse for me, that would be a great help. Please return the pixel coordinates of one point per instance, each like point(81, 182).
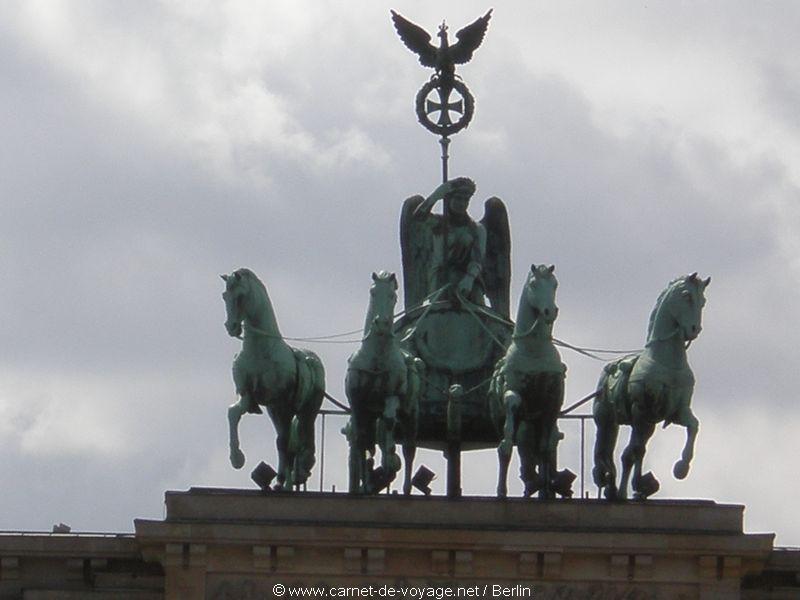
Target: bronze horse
point(652, 386)
point(289, 382)
point(382, 386)
point(527, 388)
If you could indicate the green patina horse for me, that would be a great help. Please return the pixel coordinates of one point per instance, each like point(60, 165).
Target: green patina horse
point(643, 389)
point(382, 386)
point(527, 388)
point(289, 382)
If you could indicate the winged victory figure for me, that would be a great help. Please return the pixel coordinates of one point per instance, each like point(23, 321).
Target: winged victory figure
point(465, 259)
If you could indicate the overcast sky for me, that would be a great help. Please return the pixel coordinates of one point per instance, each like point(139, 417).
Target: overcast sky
point(148, 147)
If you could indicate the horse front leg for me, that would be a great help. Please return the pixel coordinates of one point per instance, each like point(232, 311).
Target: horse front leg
point(357, 455)
point(354, 460)
point(687, 419)
point(409, 421)
point(354, 433)
point(369, 440)
point(409, 452)
point(529, 459)
point(235, 412)
point(386, 426)
point(545, 445)
point(511, 404)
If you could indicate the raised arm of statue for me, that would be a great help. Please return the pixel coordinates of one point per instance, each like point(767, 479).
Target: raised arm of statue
point(438, 194)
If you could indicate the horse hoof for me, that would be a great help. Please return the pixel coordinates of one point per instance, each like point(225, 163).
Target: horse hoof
point(237, 459)
point(681, 469)
point(645, 486)
point(610, 493)
point(502, 492)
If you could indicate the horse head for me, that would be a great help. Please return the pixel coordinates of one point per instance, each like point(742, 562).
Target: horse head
point(679, 309)
point(239, 286)
point(539, 294)
point(382, 298)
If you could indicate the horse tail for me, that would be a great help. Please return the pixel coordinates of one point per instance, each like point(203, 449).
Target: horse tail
point(303, 455)
point(309, 393)
point(310, 383)
point(497, 388)
point(294, 445)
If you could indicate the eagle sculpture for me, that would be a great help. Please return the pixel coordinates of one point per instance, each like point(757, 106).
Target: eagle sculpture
point(444, 58)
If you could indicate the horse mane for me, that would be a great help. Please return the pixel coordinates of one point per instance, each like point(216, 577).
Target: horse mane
point(250, 276)
point(667, 292)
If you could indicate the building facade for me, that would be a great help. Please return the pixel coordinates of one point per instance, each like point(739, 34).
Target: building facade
point(226, 544)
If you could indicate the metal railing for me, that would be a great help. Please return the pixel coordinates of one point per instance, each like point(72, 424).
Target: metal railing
point(325, 413)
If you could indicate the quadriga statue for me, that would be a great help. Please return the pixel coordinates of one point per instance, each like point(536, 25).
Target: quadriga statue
point(647, 388)
point(289, 382)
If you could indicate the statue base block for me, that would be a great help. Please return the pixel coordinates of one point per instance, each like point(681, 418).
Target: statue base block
point(218, 543)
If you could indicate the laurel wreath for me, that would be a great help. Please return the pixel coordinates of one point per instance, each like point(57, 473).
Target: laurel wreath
point(444, 130)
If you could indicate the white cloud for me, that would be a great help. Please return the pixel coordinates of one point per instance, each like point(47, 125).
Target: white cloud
point(56, 415)
point(199, 79)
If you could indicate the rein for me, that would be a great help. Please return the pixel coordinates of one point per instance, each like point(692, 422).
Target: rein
point(676, 332)
point(474, 310)
point(519, 336)
point(466, 305)
point(330, 339)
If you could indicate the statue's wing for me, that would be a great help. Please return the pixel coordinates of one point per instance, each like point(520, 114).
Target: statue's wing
point(415, 244)
point(497, 267)
point(469, 38)
point(416, 39)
